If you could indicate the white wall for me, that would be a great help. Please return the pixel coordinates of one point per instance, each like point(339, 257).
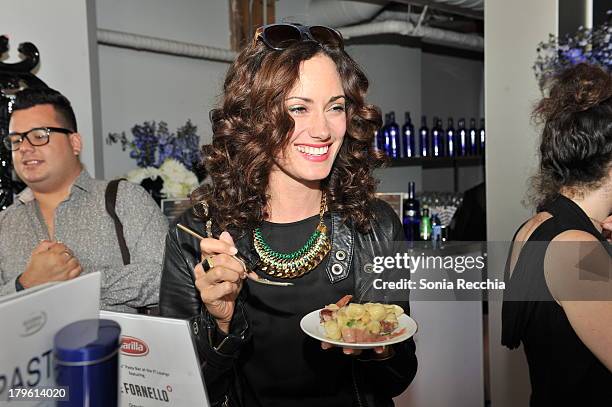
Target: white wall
point(196, 21)
point(452, 87)
point(141, 86)
point(64, 32)
point(512, 32)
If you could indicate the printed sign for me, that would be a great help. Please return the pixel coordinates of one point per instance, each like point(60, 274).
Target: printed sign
point(158, 362)
point(29, 320)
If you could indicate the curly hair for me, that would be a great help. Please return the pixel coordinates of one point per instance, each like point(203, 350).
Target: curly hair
point(576, 143)
point(251, 125)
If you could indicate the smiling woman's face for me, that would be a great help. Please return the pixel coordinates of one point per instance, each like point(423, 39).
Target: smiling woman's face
point(317, 105)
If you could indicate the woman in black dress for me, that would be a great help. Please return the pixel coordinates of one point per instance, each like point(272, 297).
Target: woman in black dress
point(558, 302)
point(291, 165)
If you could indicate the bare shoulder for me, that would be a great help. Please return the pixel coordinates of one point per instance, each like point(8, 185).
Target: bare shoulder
point(575, 236)
point(531, 225)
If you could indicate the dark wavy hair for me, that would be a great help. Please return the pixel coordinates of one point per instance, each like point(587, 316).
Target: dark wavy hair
point(576, 143)
point(251, 125)
point(31, 97)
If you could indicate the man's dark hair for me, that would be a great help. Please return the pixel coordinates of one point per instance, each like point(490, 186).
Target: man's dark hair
point(31, 97)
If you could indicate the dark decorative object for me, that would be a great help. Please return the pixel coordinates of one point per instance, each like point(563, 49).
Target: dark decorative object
point(13, 77)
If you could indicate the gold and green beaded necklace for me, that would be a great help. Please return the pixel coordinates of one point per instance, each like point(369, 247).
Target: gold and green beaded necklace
point(299, 262)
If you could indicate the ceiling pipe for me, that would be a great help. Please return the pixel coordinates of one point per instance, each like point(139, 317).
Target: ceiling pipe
point(154, 44)
point(350, 12)
point(431, 35)
point(342, 12)
point(325, 12)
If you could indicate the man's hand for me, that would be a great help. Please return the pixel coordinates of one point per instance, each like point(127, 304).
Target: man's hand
point(50, 261)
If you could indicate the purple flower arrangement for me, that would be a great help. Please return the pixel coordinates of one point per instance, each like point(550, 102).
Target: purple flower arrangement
point(152, 144)
point(586, 45)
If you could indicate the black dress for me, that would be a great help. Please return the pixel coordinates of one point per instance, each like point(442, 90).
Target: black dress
point(563, 371)
point(281, 366)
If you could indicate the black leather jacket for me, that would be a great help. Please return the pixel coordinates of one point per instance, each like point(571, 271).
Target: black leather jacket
point(376, 382)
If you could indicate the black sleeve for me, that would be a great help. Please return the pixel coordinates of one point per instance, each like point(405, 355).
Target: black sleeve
point(218, 352)
point(179, 298)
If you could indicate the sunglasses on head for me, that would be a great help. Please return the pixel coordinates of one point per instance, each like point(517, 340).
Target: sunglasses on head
point(281, 36)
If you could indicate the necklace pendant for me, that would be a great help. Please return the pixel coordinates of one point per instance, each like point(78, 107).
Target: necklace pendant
point(299, 262)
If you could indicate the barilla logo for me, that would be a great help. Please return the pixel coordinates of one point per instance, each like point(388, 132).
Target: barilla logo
point(131, 346)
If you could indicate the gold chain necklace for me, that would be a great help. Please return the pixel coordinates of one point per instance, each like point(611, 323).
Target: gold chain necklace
point(299, 262)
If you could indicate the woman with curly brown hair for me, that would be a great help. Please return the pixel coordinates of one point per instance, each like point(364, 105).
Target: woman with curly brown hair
point(292, 195)
point(558, 302)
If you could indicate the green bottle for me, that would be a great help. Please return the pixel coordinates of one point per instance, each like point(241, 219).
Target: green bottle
point(425, 232)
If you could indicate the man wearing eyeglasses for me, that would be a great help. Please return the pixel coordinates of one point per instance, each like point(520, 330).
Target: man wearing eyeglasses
point(59, 227)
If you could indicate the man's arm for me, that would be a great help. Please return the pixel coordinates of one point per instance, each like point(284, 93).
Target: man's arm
point(7, 282)
point(144, 228)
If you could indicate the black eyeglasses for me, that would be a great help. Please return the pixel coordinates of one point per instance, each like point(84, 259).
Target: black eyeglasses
point(281, 36)
point(38, 136)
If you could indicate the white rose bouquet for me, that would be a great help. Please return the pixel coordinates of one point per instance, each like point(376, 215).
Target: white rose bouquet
point(178, 181)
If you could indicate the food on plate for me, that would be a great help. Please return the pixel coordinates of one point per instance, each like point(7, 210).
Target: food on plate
point(358, 323)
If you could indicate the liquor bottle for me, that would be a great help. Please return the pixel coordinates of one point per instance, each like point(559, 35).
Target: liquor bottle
point(411, 218)
point(408, 138)
point(386, 136)
point(425, 226)
point(473, 133)
point(481, 133)
point(436, 229)
point(437, 139)
point(394, 137)
point(462, 139)
point(424, 138)
point(450, 139)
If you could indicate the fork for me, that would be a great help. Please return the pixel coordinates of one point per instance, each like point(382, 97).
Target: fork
point(251, 276)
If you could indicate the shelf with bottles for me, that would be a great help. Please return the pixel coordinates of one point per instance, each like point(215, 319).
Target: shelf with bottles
point(436, 148)
point(427, 217)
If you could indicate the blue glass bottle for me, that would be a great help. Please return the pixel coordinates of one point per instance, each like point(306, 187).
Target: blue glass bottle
point(437, 139)
point(462, 139)
point(436, 230)
point(394, 137)
point(411, 217)
point(473, 133)
point(481, 133)
point(450, 139)
point(424, 138)
point(408, 138)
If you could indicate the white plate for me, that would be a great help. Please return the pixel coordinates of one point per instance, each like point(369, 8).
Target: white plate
point(312, 327)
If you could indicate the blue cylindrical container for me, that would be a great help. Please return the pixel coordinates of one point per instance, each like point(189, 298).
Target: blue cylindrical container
point(86, 357)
